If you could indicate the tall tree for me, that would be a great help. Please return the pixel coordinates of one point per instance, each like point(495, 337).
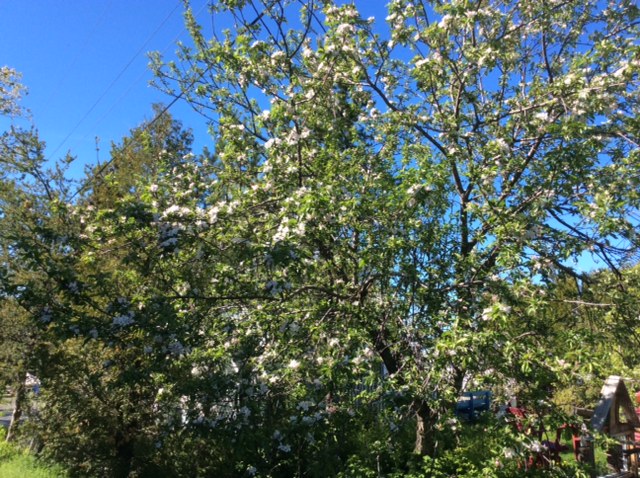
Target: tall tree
point(114, 334)
point(26, 191)
point(595, 322)
point(405, 175)
point(142, 154)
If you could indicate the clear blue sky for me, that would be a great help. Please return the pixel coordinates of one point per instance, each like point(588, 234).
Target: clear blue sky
point(84, 63)
point(73, 55)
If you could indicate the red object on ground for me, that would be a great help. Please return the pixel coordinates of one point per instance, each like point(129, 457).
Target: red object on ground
point(551, 449)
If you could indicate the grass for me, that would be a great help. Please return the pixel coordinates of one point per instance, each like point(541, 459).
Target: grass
point(25, 466)
point(17, 463)
point(600, 459)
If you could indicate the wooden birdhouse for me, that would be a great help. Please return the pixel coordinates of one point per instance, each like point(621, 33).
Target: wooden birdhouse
point(615, 414)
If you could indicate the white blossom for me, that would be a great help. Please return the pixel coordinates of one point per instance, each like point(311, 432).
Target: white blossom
point(542, 116)
point(282, 233)
point(345, 29)
point(176, 348)
point(445, 21)
point(487, 314)
point(172, 241)
point(212, 213)
point(300, 229)
point(177, 211)
point(502, 144)
point(293, 364)
point(304, 405)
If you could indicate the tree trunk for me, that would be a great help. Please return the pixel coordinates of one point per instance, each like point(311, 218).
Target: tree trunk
point(425, 418)
point(124, 456)
point(18, 405)
point(425, 443)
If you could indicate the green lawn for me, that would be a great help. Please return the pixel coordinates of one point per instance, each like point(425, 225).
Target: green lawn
point(26, 466)
point(600, 458)
point(16, 463)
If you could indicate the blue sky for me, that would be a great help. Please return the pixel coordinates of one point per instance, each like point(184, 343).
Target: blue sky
point(85, 66)
point(73, 55)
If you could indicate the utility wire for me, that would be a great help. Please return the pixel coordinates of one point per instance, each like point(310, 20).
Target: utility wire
point(142, 74)
point(102, 168)
point(122, 71)
point(86, 41)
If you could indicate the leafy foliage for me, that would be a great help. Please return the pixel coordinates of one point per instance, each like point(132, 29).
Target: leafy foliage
point(386, 222)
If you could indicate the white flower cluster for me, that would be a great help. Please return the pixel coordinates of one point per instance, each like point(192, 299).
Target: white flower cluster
point(345, 29)
point(305, 405)
point(284, 447)
point(283, 231)
point(445, 21)
point(169, 233)
point(175, 210)
point(293, 364)
point(270, 143)
point(348, 12)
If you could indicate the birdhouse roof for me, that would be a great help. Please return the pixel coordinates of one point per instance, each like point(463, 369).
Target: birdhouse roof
point(615, 414)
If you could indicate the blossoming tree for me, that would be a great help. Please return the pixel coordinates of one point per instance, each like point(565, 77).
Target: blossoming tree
point(364, 243)
point(390, 178)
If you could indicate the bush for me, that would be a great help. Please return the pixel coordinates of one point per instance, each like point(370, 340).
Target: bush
point(488, 448)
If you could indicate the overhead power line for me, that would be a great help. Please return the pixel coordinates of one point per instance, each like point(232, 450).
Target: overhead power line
point(86, 41)
point(90, 180)
point(102, 168)
point(141, 76)
point(115, 80)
